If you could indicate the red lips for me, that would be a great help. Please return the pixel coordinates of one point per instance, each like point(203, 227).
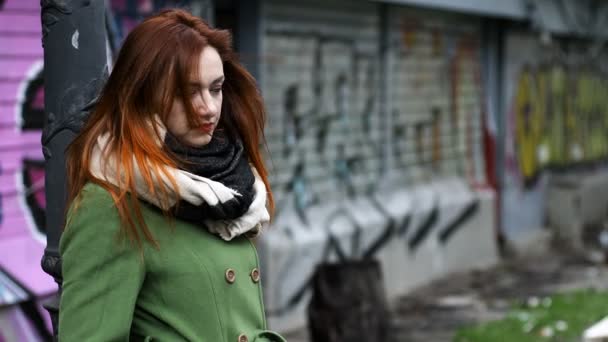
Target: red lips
point(208, 127)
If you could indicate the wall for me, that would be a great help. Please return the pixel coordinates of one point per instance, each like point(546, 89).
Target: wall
point(373, 151)
point(556, 121)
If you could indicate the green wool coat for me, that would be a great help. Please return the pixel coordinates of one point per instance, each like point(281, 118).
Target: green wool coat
point(196, 287)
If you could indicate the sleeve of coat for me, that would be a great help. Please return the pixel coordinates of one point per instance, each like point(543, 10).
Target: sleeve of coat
point(102, 274)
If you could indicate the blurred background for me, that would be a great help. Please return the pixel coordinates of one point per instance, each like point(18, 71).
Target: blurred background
point(460, 143)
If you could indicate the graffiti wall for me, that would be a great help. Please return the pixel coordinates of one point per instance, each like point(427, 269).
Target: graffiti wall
point(557, 121)
point(560, 115)
point(436, 97)
point(372, 153)
point(23, 284)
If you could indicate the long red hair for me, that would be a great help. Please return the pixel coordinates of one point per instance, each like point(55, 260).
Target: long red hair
point(152, 69)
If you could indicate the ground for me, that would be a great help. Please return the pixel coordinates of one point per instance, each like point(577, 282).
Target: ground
point(434, 313)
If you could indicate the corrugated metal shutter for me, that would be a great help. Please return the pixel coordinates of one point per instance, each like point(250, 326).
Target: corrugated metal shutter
point(320, 78)
point(436, 99)
point(21, 117)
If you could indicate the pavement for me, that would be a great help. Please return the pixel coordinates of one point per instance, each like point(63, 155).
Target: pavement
point(435, 312)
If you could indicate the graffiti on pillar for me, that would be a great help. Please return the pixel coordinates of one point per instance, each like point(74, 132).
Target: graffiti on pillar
point(560, 118)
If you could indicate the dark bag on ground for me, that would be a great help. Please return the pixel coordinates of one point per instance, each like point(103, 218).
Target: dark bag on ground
point(348, 303)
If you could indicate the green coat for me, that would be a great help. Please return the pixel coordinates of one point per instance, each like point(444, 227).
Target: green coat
point(196, 287)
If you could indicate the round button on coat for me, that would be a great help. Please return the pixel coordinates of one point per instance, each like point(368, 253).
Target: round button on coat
point(255, 275)
point(230, 276)
point(243, 338)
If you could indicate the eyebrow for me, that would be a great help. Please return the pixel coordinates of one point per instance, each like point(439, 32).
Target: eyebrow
point(198, 84)
point(219, 79)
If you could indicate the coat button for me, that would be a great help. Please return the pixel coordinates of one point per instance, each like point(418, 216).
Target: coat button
point(243, 338)
point(255, 275)
point(230, 276)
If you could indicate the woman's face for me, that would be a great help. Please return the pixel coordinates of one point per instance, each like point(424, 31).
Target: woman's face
point(206, 93)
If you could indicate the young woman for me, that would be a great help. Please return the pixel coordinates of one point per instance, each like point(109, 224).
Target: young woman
point(166, 188)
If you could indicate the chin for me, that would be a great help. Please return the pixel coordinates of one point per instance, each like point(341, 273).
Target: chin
point(200, 141)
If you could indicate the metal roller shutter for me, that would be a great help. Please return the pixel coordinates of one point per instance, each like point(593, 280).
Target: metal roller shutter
point(436, 97)
point(320, 80)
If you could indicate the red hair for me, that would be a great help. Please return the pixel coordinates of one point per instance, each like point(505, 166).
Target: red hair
point(154, 67)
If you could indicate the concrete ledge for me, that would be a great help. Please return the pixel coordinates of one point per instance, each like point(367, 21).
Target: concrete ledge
point(597, 332)
point(418, 234)
point(532, 242)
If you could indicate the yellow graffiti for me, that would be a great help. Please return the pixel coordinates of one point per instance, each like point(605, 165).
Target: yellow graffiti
point(527, 124)
point(561, 118)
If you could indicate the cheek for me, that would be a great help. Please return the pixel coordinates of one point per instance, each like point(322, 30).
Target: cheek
point(219, 106)
point(177, 123)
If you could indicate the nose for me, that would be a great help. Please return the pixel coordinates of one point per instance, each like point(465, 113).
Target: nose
point(206, 106)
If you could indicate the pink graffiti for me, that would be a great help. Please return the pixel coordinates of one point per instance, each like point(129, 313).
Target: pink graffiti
point(21, 241)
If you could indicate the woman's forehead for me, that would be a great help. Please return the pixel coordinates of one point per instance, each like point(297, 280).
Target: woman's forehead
point(210, 67)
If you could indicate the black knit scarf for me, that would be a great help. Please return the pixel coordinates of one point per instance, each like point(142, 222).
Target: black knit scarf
point(222, 160)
